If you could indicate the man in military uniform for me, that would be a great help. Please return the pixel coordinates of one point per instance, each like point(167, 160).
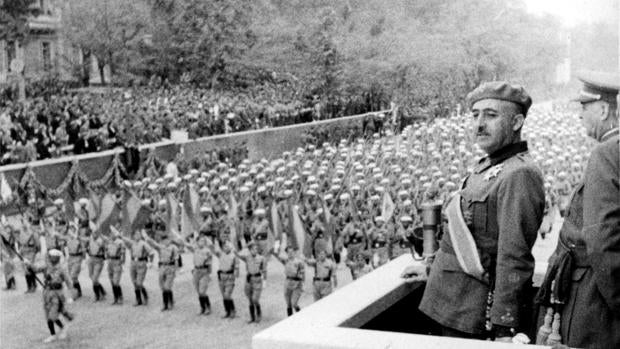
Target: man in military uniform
point(226, 275)
point(485, 256)
point(168, 258)
point(115, 255)
point(96, 259)
point(54, 302)
point(140, 253)
point(324, 275)
point(30, 245)
point(75, 255)
point(294, 271)
point(582, 284)
point(256, 267)
point(203, 259)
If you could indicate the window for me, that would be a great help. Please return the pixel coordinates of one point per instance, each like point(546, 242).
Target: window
point(47, 56)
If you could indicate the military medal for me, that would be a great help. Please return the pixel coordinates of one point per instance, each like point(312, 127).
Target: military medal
point(493, 172)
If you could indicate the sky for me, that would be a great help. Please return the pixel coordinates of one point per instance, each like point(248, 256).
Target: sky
point(573, 12)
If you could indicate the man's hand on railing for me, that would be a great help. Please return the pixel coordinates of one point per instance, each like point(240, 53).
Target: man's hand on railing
point(414, 273)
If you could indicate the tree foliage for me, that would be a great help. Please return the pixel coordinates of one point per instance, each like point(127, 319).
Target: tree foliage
point(13, 19)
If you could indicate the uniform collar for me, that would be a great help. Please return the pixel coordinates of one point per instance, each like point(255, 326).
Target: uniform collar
point(502, 154)
point(607, 135)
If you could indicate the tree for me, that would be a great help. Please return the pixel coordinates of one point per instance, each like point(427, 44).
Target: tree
point(14, 19)
point(105, 29)
point(203, 39)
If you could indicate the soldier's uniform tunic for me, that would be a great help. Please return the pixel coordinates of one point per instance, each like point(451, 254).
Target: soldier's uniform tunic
point(322, 281)
point(140, 252)
point(589, 317)
point(502, 203)
point(115, 254)
point(202, 269)
point(398, 243)
point(294, 271)
point(229, 265)
point(29, 246)
point(53, 296)
point(168, 256)
point(256, 268)
point(76, 254)
point(96, 252)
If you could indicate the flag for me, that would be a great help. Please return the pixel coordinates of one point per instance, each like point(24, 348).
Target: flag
point(387, 207)
point(299, 238)
point(172, 219)
point(94, 206)
point(276, 226)
point(189, 209)
point(233, 214)
point(6, 194)
point(108, 213)
point(134, 215)
point(329, 228)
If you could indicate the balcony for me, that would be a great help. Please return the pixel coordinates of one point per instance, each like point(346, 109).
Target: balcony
point(377, 311)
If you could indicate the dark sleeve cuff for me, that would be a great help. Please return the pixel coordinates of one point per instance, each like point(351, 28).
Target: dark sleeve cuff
point(503, 331)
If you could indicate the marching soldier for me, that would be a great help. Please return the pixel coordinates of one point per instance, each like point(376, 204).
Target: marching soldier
point(96, 259)
point(7, 251)
point(581, 285)
point(361, 266)
point(203, 259)
point(140, 253)
point(115, 254)
point(75, 255)
point(485, 256)
point(30, 245)
point(226, 275)
point(54, 301)
point(168, 255)
point(380, 242)
point(295, 273)
point(324, 275)
point(256, 267)
point(261, 231)
point(399, 244)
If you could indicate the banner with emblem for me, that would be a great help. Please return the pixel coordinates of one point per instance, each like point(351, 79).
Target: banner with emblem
point(189, 211)
point(298, 236)
point(109, 212)
point(134, 214)
point(233, 219)
point(387, 207)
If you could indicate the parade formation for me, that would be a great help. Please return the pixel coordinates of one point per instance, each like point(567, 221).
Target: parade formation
point(307, 209)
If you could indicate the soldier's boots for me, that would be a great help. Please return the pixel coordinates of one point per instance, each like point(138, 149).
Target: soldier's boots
point(118, 295)
point(258, 313)
point(138, 293)
point(289, 311)
point(170, 300)
point(231, 306)
point(297, 309)
point(96, 291)
point(10, 283)
point(252, 316)
point(205, 305)
point(164, 296)
point(226, 308)
point(145, 296)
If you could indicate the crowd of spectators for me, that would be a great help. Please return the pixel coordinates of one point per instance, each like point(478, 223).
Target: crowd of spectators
point(84, 121)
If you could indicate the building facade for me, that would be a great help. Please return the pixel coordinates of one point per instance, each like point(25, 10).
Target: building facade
point(44, 51)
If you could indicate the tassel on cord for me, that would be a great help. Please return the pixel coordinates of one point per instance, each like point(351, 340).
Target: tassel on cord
point(555, 337)
point(545, 330)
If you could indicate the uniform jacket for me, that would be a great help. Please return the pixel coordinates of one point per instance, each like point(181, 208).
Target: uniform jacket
point(591, 316)
point(503, 203)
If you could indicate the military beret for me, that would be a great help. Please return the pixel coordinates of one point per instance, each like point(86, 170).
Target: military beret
point(259, 212)
point(152, 187)
point(501, 90)
point(59, 202)
point(162, 203)
point(598, 86)
point(55, 253)
point(83, 201)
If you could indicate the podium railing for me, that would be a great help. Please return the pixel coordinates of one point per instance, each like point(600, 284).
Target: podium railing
point(340, 320)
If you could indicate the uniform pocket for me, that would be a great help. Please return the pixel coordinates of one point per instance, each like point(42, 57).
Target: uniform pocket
point(479, 210)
